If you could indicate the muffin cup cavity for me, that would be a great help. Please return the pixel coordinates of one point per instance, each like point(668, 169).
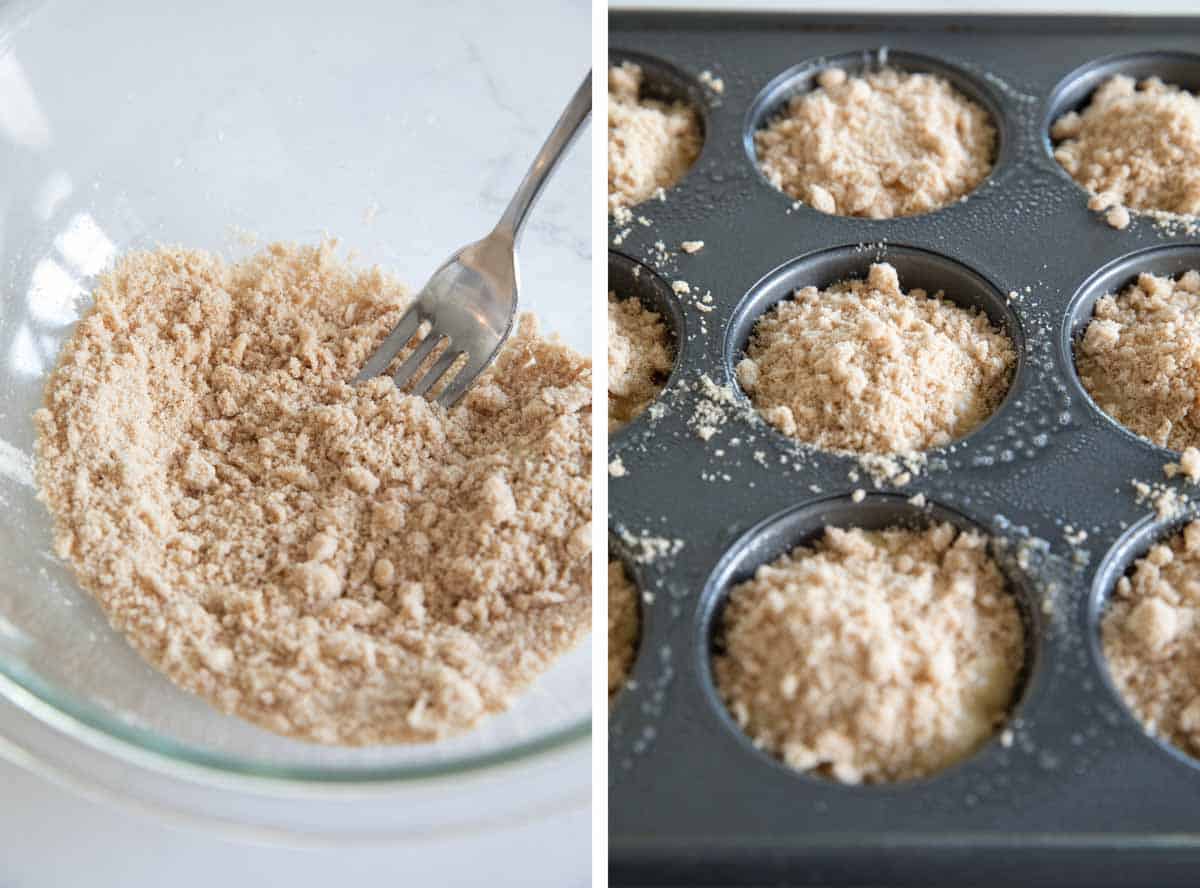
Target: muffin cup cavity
point(804, 524)
point(1074, 92)
point(630, 279)
point(618, 552)
point(667, 83)
point(1170, 261)
point(916, 268)
point(772, 100)
point(1117, 563)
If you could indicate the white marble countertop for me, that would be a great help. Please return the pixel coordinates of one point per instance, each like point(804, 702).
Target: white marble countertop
point(476, 87)
point(50, 838)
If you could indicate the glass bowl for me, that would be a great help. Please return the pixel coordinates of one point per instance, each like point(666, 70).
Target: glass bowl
point(126, 126)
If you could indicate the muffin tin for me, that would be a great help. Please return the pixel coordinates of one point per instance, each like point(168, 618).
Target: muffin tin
point(1075, 789)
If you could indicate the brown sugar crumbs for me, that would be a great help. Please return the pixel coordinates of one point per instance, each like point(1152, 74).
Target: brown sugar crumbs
point(338, 563)
point(873, 656)
point(884, 144)
point(1139, 358)
point(651, 143)
point(622, 626)
point(1136, 145)
point(1150, 639)
point(639, 359)
point(865, 367)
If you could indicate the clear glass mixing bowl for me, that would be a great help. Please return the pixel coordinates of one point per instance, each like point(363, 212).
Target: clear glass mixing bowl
point(402, 131)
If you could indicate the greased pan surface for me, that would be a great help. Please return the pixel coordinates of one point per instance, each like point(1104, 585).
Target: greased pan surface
point(1078, 793)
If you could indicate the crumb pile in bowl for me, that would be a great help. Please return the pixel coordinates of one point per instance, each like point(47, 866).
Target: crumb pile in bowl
point(872, 656)
point(1135, 146)
point(1139, 358)
point(651, 143)
point(639, 359)
point(341, 564)
point(882, 144)
point(866, 367)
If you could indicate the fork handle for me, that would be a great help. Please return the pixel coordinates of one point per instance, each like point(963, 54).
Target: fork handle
point(555, 146)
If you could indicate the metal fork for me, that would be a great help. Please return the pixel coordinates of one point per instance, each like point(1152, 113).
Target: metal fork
point(471, 299)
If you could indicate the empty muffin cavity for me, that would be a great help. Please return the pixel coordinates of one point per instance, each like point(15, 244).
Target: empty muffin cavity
point(865, 367)
point(881, 143)
point(652, 140)
point(872, 655)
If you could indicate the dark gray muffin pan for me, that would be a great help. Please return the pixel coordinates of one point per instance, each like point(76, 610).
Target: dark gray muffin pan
point(1078, 793)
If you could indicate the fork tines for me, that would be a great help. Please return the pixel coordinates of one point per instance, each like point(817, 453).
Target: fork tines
point(414, 374)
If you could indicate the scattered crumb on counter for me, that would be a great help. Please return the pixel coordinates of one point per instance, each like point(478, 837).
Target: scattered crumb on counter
point(1188, 465)
point(1166, 501)
point(716, 84)
point(1117, 217)
point(646, 547)
point(713, 407)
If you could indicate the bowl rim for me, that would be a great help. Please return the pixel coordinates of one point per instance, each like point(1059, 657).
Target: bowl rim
point(88, 724)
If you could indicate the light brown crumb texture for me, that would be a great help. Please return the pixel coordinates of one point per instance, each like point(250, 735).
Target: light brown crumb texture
point(336, 563)
point(868, 368)
point(873, 656)
point(1139, 358)
point(1188, 465)
point(1135, 145)
point(622, 626)
point(639, 359)
point(884, 144)
point(651, 143)
point(1151, 643)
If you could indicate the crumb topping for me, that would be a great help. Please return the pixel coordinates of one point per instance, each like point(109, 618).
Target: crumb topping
point(1139, 358)
point(651, 143)
point(865, 367)
point(337, 563)
point(639, 359)
point(884, 144)
point(873, 656)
